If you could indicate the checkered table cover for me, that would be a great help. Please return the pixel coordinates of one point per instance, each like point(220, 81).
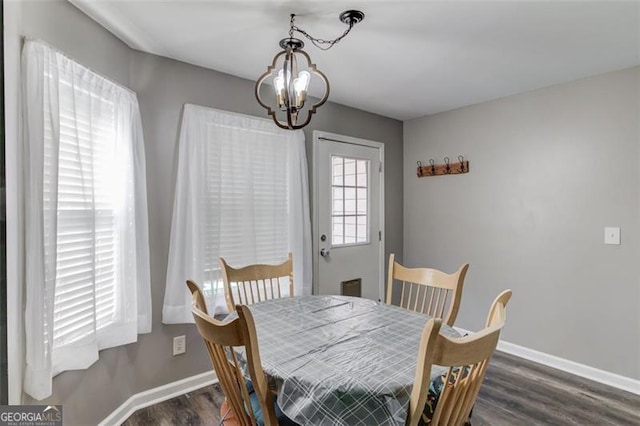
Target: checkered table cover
point(338, 360)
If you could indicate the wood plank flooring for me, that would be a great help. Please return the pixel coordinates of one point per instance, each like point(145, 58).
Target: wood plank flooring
point(515, 392)
point(200, 407)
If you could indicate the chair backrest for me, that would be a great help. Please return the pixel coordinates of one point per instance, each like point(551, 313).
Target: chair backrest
point(255, 283)
point(220, 338)
point(198, 297)
point(467, 359)
point(426, 290)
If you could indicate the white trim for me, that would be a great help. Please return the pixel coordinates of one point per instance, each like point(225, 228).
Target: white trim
point(156, 395)
point(317, 135)
point(12, 13)
point(597, 375)
point(601, 376)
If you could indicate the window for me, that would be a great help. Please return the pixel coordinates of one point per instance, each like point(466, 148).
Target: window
point(89, 199)
point(86, 227)
point(349, 208)
point(241, 194)
point(246, 200)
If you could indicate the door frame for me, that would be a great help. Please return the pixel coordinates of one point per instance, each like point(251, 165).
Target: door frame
point(318, 136)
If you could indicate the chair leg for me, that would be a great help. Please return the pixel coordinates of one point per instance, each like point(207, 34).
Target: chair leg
point(227, 415)
point(468, 422)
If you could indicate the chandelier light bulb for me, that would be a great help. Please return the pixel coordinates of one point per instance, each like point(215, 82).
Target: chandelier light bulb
point(300, 85)
point(278, 86)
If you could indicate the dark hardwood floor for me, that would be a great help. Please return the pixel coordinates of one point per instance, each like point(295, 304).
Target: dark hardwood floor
point(520, 392)
point(514, 392)
point(200, 407)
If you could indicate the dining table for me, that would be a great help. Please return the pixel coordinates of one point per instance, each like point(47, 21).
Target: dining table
point(340, 360)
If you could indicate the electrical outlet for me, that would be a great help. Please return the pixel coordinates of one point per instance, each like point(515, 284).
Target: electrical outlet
point(612, 235)
point(179, 345)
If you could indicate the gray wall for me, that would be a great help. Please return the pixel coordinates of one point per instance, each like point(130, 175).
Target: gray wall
point(549, 169)
point(163, 86)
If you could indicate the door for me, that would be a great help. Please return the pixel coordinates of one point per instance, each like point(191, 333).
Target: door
point(348, 216)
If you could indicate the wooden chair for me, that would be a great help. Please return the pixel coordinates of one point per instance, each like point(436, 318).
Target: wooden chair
point(467, 359)
point(221, 338)
point(255, 283)
point(429, 291)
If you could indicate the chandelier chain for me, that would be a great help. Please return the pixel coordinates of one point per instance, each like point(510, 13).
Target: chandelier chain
point(318, 42)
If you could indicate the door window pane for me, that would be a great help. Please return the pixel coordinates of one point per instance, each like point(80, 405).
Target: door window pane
point(350, 208)
point(337, 167)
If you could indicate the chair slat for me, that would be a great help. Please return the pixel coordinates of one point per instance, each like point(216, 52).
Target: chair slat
point(415, 299)
point(244, 291)
point(442, 303)
point(456, 389)
point(430, 305)
point(239, 377)
point(252, 289)
point(469, 392)
point(424, 299)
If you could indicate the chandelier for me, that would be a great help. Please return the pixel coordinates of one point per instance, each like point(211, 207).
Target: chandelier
point(292, 72)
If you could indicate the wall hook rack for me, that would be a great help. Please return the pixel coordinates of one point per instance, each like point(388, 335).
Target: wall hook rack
point(447, 168)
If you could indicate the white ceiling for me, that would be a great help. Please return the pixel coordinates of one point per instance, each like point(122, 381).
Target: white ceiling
point(406, 59)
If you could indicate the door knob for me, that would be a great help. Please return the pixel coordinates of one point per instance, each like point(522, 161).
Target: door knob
point(324, 252)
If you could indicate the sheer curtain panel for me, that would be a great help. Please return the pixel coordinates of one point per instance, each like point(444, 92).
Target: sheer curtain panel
point(87, 250)
point(242, 194)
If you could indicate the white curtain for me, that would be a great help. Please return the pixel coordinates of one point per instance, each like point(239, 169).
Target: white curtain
point(242, 194)
point(87, 251)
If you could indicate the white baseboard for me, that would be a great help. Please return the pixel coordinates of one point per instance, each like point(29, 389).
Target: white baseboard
point(156, 395)
point(597, 375)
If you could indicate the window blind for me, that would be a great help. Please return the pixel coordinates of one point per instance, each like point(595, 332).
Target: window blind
point(87, 258)
point(246, 199)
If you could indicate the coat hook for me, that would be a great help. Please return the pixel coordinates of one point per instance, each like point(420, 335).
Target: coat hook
point(444, 168)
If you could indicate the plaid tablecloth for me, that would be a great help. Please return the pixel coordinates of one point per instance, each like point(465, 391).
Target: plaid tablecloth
point(339, 360)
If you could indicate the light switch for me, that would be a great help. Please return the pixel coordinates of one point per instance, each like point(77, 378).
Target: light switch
point(612, 235)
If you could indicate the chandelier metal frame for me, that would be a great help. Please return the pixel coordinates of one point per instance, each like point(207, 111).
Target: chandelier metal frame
point(291, 93)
